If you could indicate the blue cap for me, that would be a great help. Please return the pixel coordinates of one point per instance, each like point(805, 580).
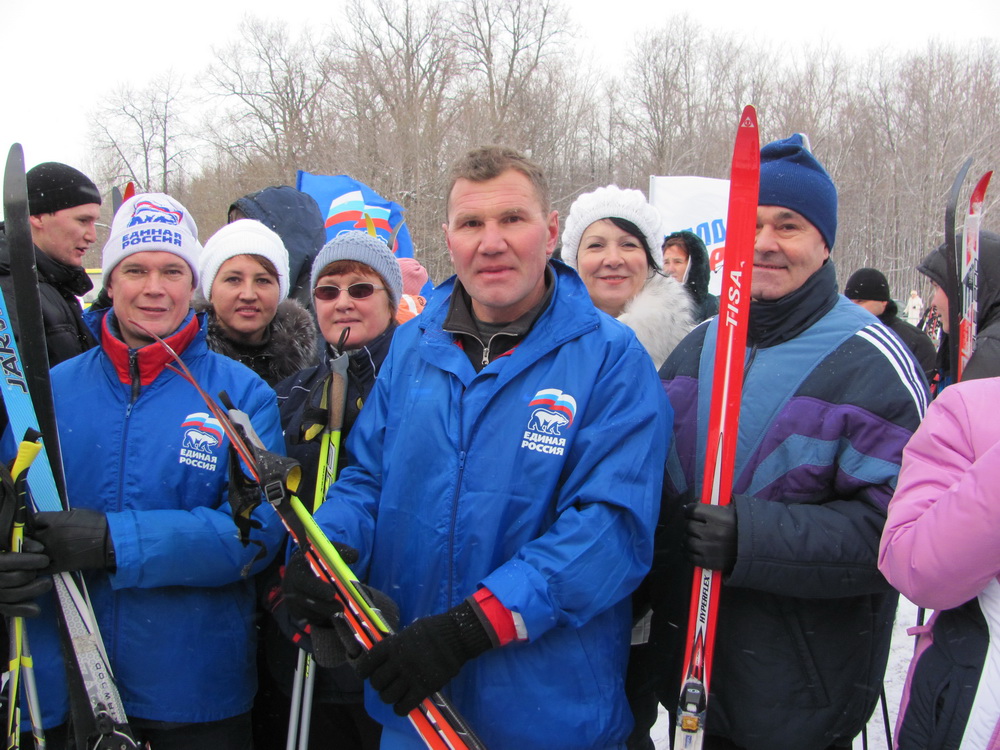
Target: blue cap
point(790, 176)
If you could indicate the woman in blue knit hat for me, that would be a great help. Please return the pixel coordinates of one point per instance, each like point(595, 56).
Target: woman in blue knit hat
point(356, 285)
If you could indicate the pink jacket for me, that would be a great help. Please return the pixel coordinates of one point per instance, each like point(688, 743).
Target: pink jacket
point(941, 542)
point(941, 549)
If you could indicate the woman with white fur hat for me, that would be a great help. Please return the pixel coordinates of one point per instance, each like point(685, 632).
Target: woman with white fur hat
point(244, 280)
point(613, 240)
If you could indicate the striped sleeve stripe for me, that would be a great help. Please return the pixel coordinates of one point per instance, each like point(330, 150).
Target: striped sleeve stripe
point(899, 357)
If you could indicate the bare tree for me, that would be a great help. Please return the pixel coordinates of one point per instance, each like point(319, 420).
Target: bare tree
point(139, 133)
point(397, 88)
point(272, 91)
point(505, 44)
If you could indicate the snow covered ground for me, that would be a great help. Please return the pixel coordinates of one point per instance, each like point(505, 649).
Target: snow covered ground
point(895, 676)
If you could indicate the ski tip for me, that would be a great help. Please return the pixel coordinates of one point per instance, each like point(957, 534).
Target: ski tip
point(749, 117)
point(979, 191)
point(15, 159)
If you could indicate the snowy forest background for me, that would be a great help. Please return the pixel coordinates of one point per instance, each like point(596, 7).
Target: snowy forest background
point(403, 87)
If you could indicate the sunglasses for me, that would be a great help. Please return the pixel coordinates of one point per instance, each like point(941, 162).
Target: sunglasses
point(361, 290)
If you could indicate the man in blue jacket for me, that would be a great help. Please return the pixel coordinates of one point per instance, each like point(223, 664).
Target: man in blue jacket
point(830, 398)
point(505, 490)
point(147, 475)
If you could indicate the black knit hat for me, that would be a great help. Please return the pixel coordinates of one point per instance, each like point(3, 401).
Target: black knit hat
point(867, 283)
point(53, 186)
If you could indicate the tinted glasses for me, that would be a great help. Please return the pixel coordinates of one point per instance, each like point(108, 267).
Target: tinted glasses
point(360, 290)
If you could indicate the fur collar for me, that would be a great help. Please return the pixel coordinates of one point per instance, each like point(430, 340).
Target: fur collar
point(291, 345)
point(660, 315)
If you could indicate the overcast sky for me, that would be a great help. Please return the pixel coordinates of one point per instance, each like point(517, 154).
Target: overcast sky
point(60, 56)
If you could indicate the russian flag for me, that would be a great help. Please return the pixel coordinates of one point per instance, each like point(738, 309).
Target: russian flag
point(344, 203)
point(555, 400)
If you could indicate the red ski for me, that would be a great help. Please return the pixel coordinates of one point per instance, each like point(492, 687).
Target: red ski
point(723, 420)
point(968, 283)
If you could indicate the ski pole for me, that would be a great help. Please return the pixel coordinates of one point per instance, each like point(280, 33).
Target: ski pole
point(21, 665)
point(334, 403)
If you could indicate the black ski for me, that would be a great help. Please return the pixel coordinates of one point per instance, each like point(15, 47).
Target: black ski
point(953, 262)
point(98, 715)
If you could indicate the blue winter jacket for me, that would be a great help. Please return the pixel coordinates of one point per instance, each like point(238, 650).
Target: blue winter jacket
point(177, 616)
point(537, 478)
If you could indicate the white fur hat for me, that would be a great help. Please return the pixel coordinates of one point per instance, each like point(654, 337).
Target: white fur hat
point(151, 221)
point(243, 237)
point(605, 203)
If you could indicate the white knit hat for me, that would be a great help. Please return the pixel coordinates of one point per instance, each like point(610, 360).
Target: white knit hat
point(362, 247)
point(243, 237)
point(605, 203)
point(151, 221)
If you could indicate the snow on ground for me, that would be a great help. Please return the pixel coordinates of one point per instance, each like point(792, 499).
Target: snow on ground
point(895, 676)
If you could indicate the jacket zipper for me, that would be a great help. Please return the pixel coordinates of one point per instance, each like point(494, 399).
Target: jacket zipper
point(134, 389)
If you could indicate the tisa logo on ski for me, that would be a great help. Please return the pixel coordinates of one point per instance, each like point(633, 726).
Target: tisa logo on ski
point(202, 436)
point(552, 414)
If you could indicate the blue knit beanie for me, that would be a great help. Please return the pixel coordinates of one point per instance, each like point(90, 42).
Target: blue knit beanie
point(363, 248)
point(790, 176)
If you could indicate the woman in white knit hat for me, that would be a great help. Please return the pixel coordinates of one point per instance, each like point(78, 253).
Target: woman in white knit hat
point(244, 280)
point(613, 240)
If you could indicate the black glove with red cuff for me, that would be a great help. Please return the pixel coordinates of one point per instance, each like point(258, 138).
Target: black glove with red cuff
point(424, 656)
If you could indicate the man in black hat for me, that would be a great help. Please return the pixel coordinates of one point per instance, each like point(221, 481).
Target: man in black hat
point(869, 288)
point(64, 205)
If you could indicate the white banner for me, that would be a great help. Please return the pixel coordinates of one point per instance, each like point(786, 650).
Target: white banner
point(699, 205)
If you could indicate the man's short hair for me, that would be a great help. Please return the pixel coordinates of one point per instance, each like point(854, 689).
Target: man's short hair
point(489, 162)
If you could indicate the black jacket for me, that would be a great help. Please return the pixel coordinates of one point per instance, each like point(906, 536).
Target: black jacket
point(59, 286)
point(296, 395)
point(696, 282)
point(916, 340)
point(985, 361)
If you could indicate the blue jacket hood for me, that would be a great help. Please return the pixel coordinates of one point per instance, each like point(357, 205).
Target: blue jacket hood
point(296, 218)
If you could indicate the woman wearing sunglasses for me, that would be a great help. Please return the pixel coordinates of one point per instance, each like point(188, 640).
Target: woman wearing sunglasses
point(244, 279)
point(357, 285)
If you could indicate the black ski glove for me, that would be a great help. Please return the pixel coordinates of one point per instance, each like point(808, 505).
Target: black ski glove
point(423, 657)
point(74, 539)
point(307, 597)
point(710, 536)
point(20, 584)
point(315, 602)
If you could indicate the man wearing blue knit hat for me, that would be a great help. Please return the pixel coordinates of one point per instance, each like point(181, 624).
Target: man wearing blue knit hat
point(830, 398)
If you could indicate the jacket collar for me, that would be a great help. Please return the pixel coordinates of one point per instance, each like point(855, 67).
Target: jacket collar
point(72, 279)
point(147, 361)
point(570, 314)
point(461, 320)
point(780, 320)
